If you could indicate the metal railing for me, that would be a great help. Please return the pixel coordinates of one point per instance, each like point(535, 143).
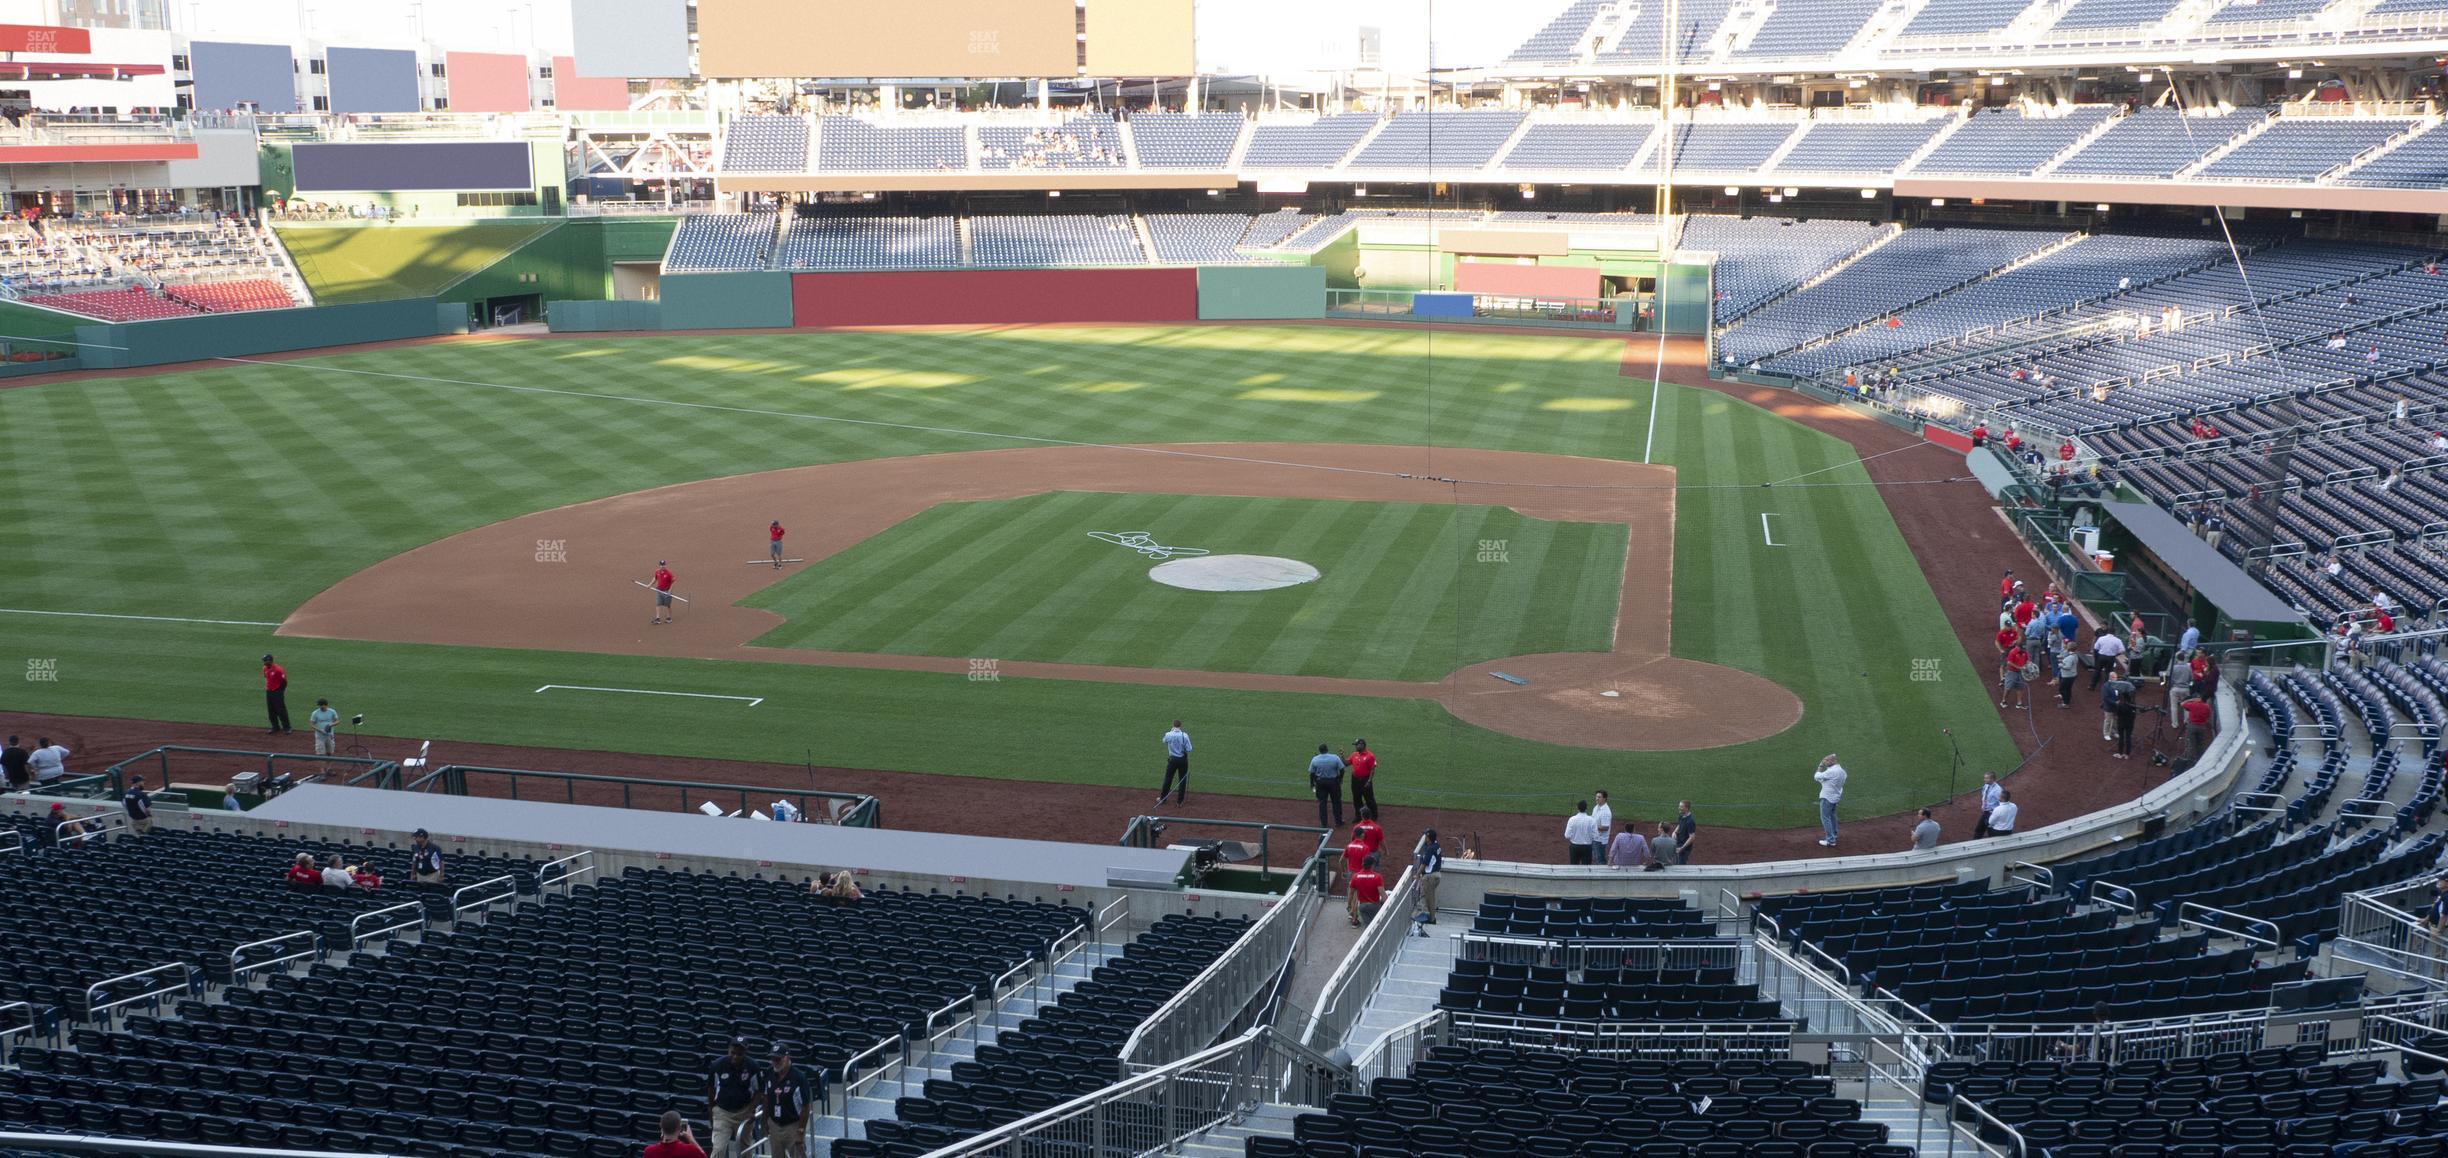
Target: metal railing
point(2011, 1140)
point(95, 1144)
point(1147, 831)
point(12, 840)
point(33, 1024)
point(1363, 969)
point(217, 765)
point(568, 877)
point(306, 943)
point(483, 905)
point(1154, 1111)
point(1201, 1011)
point(185, 981)
point(1885, 1070)
point(1803, 987)
point(2376, 933)
point(2222, 923)
point(1766, 1040)
point(359, 934)
point(848, 809)
point(1637, 954)
point(850, 1083)
point(1402, 1047)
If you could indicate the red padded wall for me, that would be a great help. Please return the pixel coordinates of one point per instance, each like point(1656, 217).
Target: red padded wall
point(1569, 282)
point(994, 297)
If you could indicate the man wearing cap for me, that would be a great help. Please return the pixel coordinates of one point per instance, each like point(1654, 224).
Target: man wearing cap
point(732, 1099)
point(276, 696)
point(139, 806)
point(790, 1099)
point(424, 860)
point(325, 724)
point(59, 829)
point(773, 537)
point(662, 590)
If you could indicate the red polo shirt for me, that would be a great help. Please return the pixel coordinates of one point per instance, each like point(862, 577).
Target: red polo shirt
point(1355, 855)
point(1369, 833)
point(2023, 613)
point(1367, 887)
point(274, 678)
point(2197, 713)
point(663, 579)
point(2006, 637)
point(1363, 765)
point(674, 1149)
point(775, 531)
point(305, 878)
point(2016, 657)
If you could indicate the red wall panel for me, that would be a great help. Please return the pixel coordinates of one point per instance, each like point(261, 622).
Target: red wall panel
point(994, 297)
point(573, 93)
point(487, 82)
point(1527, 281)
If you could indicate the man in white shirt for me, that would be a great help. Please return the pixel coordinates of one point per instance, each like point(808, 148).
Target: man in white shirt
point(49, 762)
point(1177, 763)
point(1604, 818)
point(1580, 834)
point(2105, 651)
point(336, 875)
point(1831, 778)
point(2380, 599)
point(2002, 817)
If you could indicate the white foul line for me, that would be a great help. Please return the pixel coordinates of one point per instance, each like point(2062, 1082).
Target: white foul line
point(1765, 537)
point(752, 701)
point(145, 618)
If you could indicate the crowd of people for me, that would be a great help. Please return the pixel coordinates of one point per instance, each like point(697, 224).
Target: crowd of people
point(1591, 837)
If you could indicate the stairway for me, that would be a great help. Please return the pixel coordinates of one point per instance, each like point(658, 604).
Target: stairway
point(1409, 990)
point(875, 1102)
point(1230, 1139)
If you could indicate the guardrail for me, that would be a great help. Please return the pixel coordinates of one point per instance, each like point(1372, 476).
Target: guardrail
point(1403, 1046)
point(312, 950)
point(33, 1024)
point(100, 1011)
point(94, 1144)
point(2374, 933)
point(1196, 1015)
point(1154, 1111)
point(567, 878)
point(482, 906)
point(218, 765)
point(1363, 969)
point(359, 934)
point(1642, 954)
point(849, 1083)
point(1766, 1040)
point(2220, 922)
point(847, 809)
point(1814, 993)
point(1118, 911)
point(2012, 1145)
point(12, 840)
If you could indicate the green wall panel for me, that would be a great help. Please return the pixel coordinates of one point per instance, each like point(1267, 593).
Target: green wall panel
point(600, 317)
point(167, 340)
point(1241, 293)
point(726, 301)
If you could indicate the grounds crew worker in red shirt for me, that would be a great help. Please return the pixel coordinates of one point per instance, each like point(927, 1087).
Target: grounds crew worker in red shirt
point(276, 696)
point(773, 533)
point(1363, 764)
point(662, 590)
point(1367, 890)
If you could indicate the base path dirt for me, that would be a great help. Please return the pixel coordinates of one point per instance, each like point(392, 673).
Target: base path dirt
point(487, 588)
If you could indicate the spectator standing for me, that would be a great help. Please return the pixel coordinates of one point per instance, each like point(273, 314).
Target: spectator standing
point(1989, 793)
point(773, 541)
point(1831, 779)
point(1686, 827)
point(303, 874)
point(1925, 833)
point(1365, 830)
point(2002, 818)
point(325, 724)
point(2014, 671)
point(1368, 892)
point(1629, 849)
point(2127, 709)
point(1326, 779)
point(1431, 860)
point(2213, 528)
point(677, 1141)
point(2105, 651)
point(48, 762)
point(276, 696)
point(2196, 725)
point(1364, 778)
point(2069, 665)
point(790, 1099)
point(424, 860)
point(1603, 815)
point(2435, 915)
point(732, 1099)
point(663, 614)
point(1664, 850)
point(16, 766)
point(2189, 640)
point(139, 806)
point(2110, 693)
point(1580, 834)
point(229, 799)
point(1177, 762)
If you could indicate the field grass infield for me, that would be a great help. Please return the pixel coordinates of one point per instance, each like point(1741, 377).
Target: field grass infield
point(234, 494)
point(1020, 579)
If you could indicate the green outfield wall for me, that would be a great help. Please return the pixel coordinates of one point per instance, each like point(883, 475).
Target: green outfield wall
point(603, 317)
point(726, 301)
point(1251, 293)
point(166, 340)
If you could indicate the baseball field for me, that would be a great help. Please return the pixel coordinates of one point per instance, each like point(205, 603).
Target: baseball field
point(1531, 570)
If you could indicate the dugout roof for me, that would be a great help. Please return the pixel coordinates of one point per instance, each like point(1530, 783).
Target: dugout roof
point(2213, 577)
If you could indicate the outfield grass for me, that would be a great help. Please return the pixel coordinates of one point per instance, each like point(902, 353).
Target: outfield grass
point(236, 494)
point(1397, 597)
point(368, 263)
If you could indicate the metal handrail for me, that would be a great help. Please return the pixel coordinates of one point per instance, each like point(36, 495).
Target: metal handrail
point(1368, 1058)
point(482, 903)
point(1121, 903)
point(851, 1067)
point(569, 877)
point(15, 842)
point(2038, 875)
point(957, 1005)
point(2132, 902)
point(97, 1144)
point(313, 949)
point(1196, 995)
point(1918, 1014)
point(33, 1022)
point(93, 992)
point(1369, 953)
point(358, 937)
point(1962, 1103)
point(2270, 941)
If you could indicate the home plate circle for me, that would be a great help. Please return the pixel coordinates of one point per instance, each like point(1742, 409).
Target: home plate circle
point(1233, 573)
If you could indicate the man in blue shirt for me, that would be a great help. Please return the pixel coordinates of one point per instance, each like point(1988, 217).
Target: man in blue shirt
point(2189, 640)
point(1177, 760)
point(1431, 857)
point(139, 806)
point(790, 1100)
point(733, 1098)
point(1326, 779)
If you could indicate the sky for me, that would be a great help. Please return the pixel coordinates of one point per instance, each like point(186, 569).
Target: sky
point(1235, 36)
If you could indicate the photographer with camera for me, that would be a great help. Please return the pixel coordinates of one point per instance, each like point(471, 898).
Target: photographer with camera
point(2120, 708)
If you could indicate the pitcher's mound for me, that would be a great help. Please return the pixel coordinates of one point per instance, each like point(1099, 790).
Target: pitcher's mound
point(1233, 573)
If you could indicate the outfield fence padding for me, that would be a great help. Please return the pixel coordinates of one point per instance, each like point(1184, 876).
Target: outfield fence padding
point(166, 340)
point(991, 297)
point(602, 317)
point(1258, 293)
point(726, 301)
